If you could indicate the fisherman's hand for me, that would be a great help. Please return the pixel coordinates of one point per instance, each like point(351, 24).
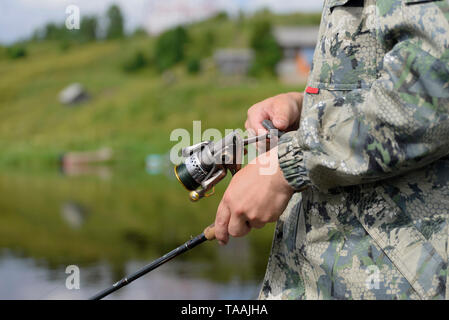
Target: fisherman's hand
point(283, 110)
point(257, 195)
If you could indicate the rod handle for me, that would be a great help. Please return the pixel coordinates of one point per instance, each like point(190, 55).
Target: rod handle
point(209, 232)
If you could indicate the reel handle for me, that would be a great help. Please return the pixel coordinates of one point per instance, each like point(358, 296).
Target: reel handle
point(267, 124)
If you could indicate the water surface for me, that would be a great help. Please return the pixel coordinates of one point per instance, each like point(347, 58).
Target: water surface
point(110, 222)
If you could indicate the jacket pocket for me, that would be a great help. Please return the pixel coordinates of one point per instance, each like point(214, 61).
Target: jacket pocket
point(345, 55)
point(410, 2)
point(409, 250)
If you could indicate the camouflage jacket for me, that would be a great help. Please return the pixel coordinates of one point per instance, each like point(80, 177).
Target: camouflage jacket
point(372, 155)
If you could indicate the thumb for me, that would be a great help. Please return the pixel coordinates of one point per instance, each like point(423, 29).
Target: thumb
point(281, 120)
point(284, 116)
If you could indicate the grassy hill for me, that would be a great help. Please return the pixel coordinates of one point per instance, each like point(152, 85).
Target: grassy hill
point(131, 113)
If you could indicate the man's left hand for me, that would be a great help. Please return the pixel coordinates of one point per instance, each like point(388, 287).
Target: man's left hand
point(253, 198)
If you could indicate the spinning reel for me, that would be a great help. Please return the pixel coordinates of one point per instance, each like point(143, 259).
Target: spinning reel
point(208, 162)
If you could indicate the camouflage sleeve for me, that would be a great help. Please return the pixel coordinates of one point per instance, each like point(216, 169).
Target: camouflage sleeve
point(397, 124)
point(291, 161)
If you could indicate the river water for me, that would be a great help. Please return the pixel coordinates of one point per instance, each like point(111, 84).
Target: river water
point(106, 223)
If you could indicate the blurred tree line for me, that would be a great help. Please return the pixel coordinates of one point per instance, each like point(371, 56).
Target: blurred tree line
point(177, 45)
point(185, 45)
point(89, 30)
point(266, 50)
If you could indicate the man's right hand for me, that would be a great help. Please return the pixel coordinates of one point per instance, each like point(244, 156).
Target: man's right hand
point(284, 110)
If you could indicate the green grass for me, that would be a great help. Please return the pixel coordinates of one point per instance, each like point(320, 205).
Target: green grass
point(133, 114)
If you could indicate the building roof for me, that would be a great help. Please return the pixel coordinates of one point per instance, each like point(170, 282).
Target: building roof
point(296, 36)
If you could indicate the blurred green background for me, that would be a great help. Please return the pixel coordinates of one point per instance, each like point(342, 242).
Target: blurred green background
point(112, 217)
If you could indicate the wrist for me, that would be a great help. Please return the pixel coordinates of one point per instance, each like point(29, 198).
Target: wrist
point(282, 183)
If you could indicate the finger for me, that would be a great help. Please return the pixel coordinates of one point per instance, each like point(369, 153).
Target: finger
point(255, 118)
point(238, 226)
point(282, 117)
point(221, 223)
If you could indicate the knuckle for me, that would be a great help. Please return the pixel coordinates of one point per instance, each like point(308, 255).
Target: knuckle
point(239, 211)
point(269, 220)
point(276, 100)
point(225, 199)
point(252, 217)
point(233, 233)
point(220, 222)
point(220, 233)
point(264, 221)
point(255, 107)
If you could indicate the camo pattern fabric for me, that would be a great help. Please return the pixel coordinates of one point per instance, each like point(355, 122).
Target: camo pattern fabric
point(372, 155)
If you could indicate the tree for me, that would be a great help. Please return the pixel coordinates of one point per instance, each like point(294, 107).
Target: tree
point(135, 63)
point(59, 32)
point(16, 52)
point(170, 48)
point(52, 32)
point(266, 49)
point(140, 32)
point(204, 44)
point(221, 16)
point(115, 27)
point(88, 29)
point(193, 65)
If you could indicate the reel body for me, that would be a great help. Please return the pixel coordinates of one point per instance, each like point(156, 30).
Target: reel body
point(207, 163)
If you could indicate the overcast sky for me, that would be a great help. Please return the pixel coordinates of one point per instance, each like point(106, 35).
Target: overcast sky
point(19, 18)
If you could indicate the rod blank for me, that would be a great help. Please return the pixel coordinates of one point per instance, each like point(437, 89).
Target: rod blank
point(208, 234)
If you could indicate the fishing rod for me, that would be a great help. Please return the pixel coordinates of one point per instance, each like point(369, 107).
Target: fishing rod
point(207, 235)
point(205, 164)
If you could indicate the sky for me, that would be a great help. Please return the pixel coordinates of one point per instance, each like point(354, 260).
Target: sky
point(19, 18)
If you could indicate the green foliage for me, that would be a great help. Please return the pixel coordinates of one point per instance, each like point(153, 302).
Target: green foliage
point(203, 47)
point(64, 45)
point(16, 52)
point(170, 48)
point(266, 49)
point(53, 31)
point(135, 63)
point(221, 16)
point(193, 65)
point(88, 29)
point(140, 32)
point(86, 33)
point(115, 27)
